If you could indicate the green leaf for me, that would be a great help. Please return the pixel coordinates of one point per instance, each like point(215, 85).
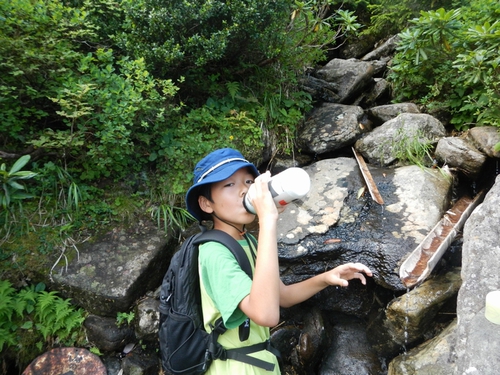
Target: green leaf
point(27, 325)
point(20, 163)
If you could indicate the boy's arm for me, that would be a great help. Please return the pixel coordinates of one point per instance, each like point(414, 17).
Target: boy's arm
point(295, 293)
point(262, 304)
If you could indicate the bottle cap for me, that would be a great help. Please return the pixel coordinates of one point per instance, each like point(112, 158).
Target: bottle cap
point(492, 310)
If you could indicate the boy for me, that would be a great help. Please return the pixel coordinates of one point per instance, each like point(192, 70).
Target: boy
point(221, 180)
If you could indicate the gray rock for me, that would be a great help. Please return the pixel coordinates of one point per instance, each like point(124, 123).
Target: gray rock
point(147, 319)
point(332, 225)
point(383, 113)
point(141, 363)
point(320, 89)
point(350, 76)
point(115, 269)
point(379, 92)
point(460, 154)
point(430, 358)
point(106, 335)
point(477, 338)
point(407, 319)
point(331, 127)
point(485, 138)
point(408, 128)
point(308, 350)
point(480, 337)
point(350, 352)
point(385, 49)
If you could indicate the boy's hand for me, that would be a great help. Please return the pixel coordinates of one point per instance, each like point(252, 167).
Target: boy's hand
point(341, 274)
point(263, 201)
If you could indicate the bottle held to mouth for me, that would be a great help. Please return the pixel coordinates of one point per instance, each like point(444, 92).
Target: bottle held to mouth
point(291, 184)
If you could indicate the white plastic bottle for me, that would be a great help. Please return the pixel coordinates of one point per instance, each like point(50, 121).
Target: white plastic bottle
point(285, 187)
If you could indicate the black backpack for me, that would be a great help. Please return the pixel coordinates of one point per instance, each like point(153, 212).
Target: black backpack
point(185, 346)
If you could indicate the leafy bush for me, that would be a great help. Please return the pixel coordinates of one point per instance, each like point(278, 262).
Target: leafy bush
point(180, 37)
point(37, 53)
point(111, 111)
point(450, 60)
point(389, 17)
point(12, 191)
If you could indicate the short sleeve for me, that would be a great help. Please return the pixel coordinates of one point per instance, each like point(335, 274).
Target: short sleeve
point(224, 281)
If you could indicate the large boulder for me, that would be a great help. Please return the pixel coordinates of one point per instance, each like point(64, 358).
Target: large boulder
point(338, 222)
point(409, 129)
point(108, 274)
point(350, 76)
point(331, 127)
point(477, 338)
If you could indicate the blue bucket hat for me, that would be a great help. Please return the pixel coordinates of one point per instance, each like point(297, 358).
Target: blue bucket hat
point(215, 167)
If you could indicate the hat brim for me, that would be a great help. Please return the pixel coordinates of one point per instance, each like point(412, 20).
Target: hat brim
point(220, 174)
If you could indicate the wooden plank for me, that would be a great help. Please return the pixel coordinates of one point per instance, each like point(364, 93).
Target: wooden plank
point(372, 187)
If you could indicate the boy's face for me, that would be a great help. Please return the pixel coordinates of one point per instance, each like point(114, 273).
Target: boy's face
point(227, 198)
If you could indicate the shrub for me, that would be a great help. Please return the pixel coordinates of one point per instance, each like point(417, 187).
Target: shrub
point(37, 54)
point(111, 110)
point(449, 59)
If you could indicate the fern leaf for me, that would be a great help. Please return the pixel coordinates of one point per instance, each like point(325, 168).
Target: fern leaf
point(6, 288)
point(6, 308)
point(44, 330)
point(28, 294)
point(62, 309)
point(19, 305)
point(45, 305)
point(6, 338)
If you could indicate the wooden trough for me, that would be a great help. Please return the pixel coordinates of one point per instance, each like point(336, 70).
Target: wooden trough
point(420, 263)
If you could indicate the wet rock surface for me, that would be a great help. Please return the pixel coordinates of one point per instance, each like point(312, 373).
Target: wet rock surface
point(350, 352)
point(410, 318)
point(334, 225)
point(105, 334)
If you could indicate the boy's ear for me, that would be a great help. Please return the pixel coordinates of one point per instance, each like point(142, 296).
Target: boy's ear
point(205, 204)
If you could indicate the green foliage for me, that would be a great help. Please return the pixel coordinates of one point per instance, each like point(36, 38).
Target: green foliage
point(389, 17)
point(55, 181)
point(412, 149)
point(450, 60)
point(37, 53)
point(110, 113)
point(175, 36)
point(171, 216)
point(259, 44)
point(110, 110)
point(122, 318)
point(12, 191)
point(31, 318)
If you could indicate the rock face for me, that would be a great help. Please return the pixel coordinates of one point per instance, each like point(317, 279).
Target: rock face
point(350, 76)
point(470, 344)
point(432, 357)
point(478, 341)
point(114, 270)
point(332, 126)
point(408, 319)
point(333, 225)
point(461, 154)
point(407, 129)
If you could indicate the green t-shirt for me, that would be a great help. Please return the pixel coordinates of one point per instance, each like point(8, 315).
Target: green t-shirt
point(223, 285)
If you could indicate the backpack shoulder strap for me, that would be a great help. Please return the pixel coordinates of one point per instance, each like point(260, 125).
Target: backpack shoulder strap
point(229, 242)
